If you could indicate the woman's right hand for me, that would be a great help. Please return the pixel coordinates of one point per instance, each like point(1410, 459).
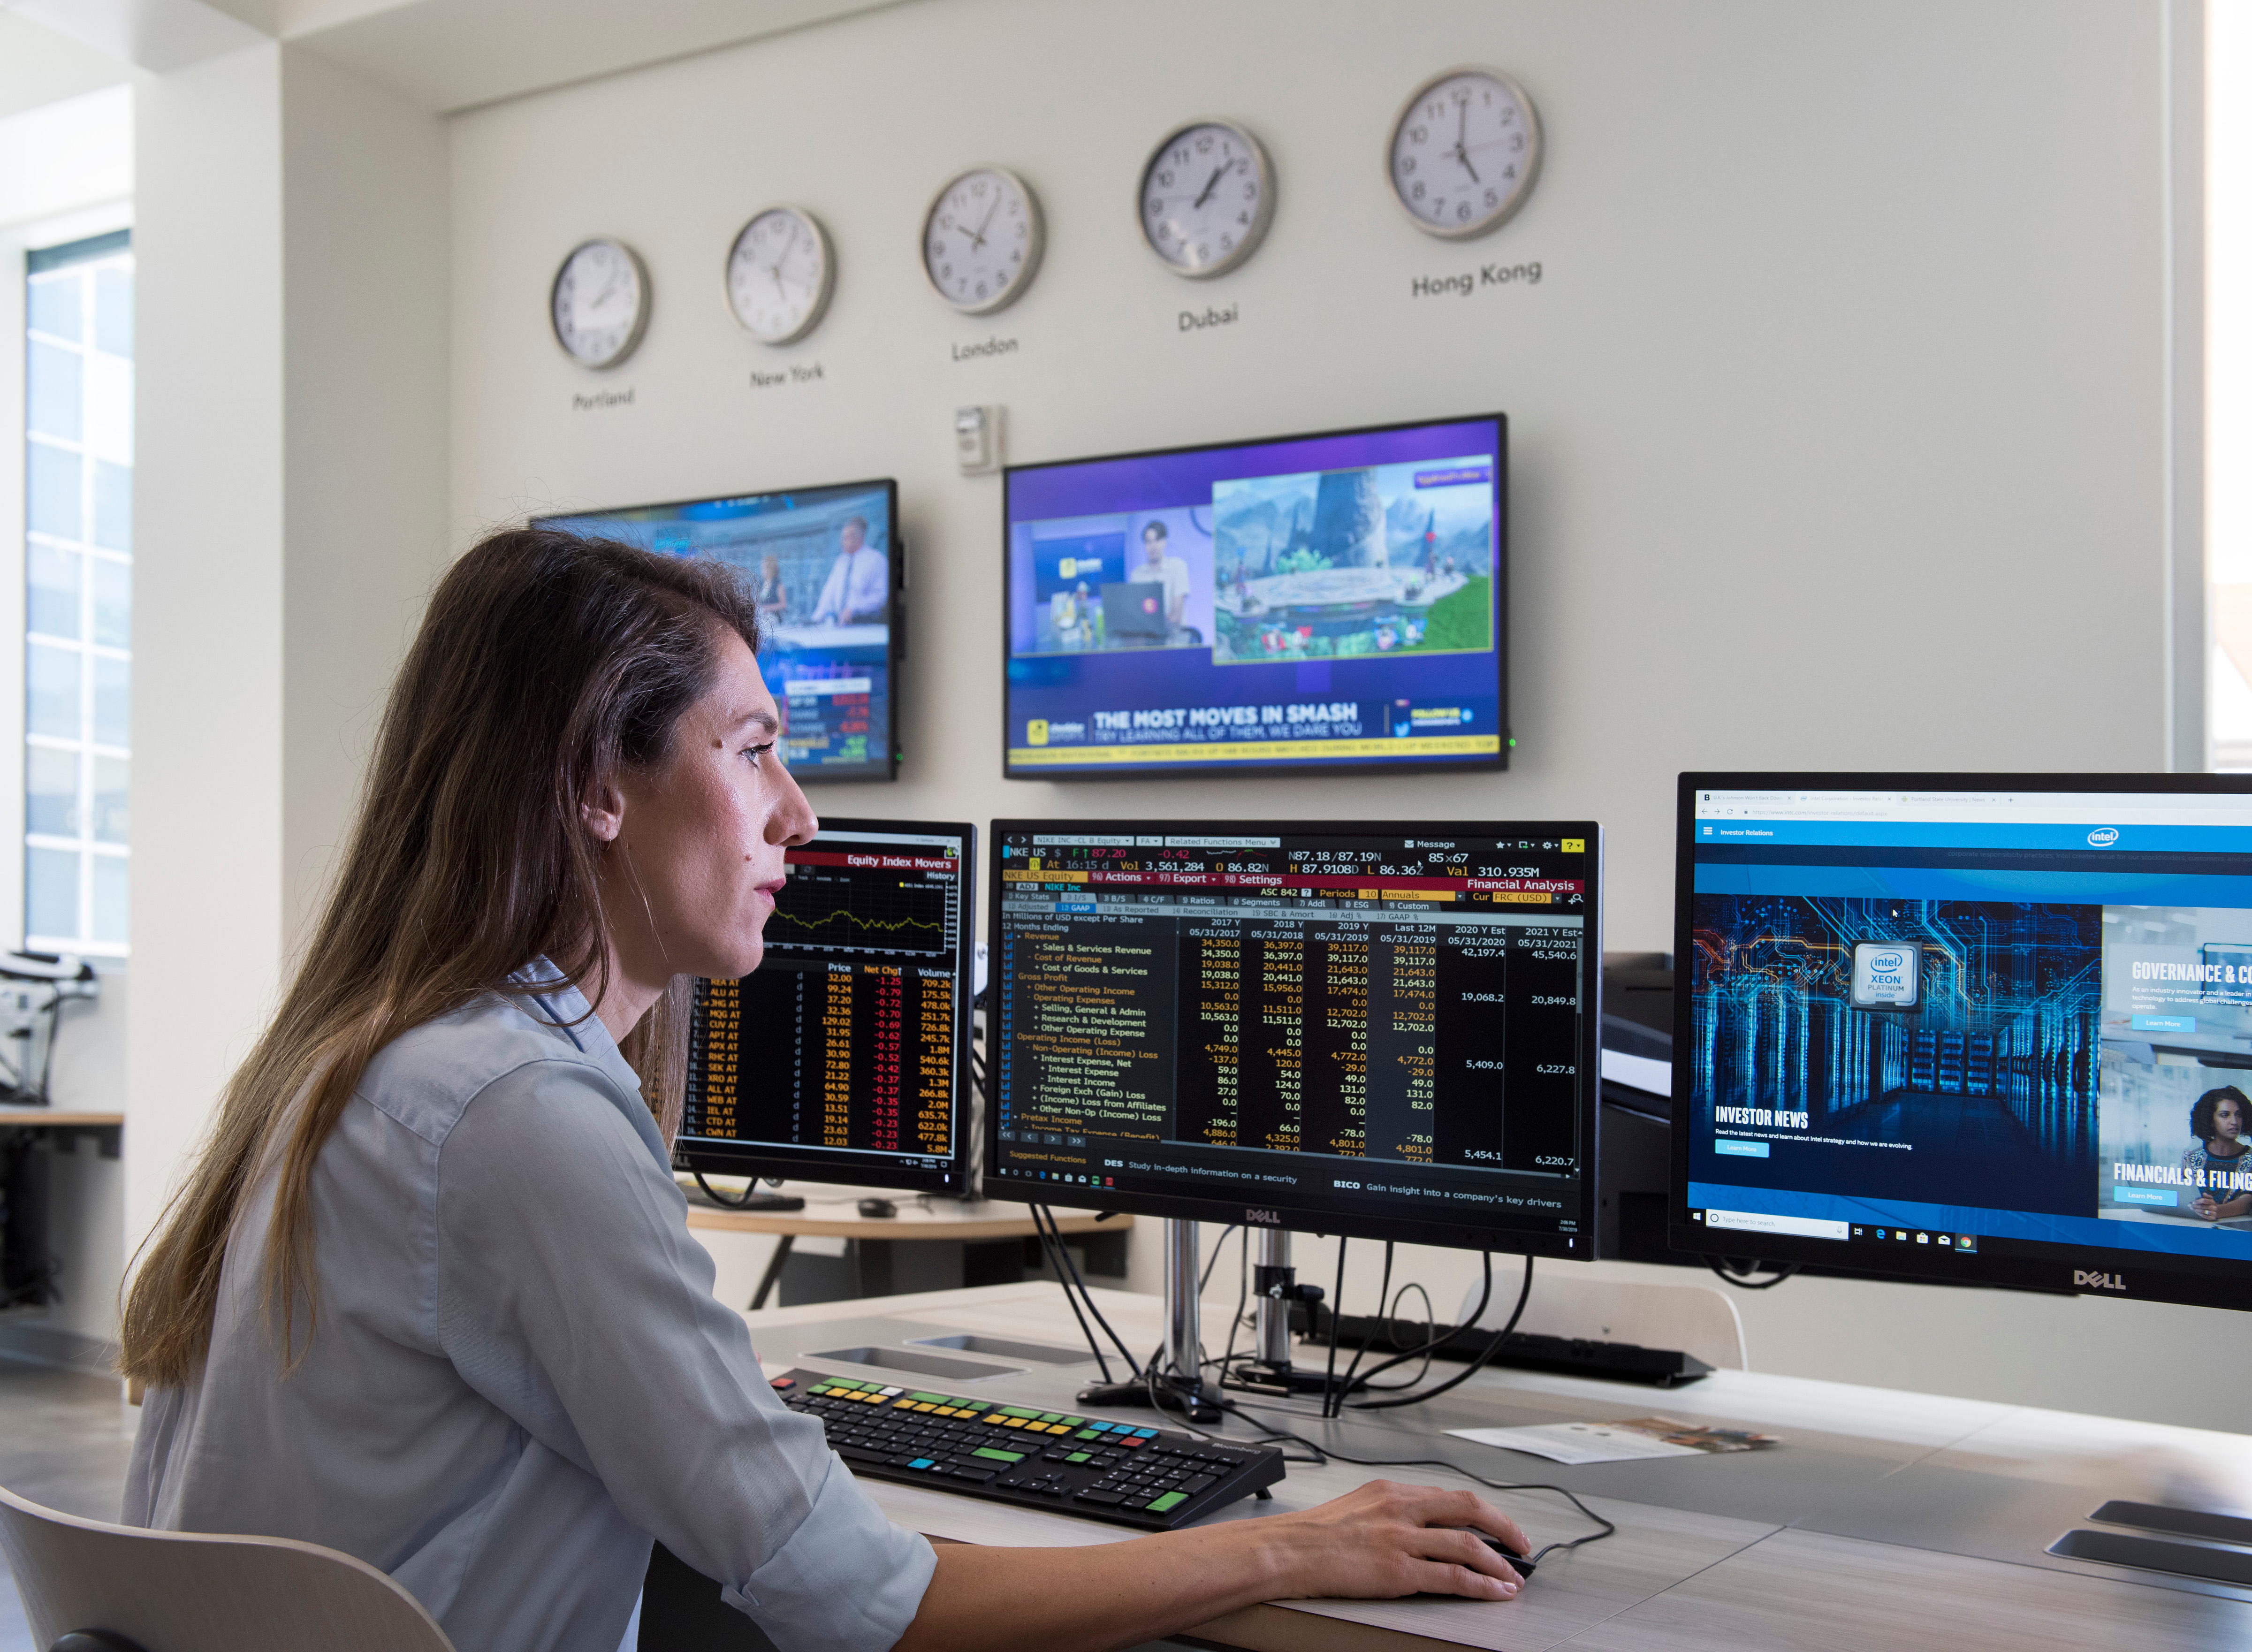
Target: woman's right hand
point(1387, 1539)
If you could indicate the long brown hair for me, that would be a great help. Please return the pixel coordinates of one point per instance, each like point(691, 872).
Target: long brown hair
point(546, 665)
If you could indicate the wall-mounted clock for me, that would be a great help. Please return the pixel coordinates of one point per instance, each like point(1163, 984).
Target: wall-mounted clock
point(1464, 152)
point(781, 271)
point(982, 239)
point(1207, 195)
point(599, 304)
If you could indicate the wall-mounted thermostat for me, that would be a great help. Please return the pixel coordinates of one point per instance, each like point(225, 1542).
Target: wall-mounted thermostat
point(977, 440)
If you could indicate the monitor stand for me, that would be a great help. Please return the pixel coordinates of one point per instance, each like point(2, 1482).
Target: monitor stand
point(1178, 1383)
point(1275, 1283)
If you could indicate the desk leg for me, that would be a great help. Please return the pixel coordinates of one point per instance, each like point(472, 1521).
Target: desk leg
point(768, 1280)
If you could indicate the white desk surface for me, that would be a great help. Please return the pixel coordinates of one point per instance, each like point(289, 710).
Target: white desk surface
point(834, 1212)
point(1886, 1520)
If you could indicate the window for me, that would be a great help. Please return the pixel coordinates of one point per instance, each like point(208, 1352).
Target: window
point(78, 595)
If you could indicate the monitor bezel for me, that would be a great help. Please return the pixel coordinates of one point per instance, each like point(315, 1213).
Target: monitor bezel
point(1301, 1217)
point(895, 603)
point(2150, 1276)
point(807, 1165)
point(1335, 766)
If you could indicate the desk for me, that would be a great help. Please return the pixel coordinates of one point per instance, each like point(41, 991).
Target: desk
point(1886, 1520)
point(979, 1235)
point(27, 1269)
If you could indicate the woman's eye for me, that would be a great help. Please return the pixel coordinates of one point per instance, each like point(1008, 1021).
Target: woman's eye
point(755, 752)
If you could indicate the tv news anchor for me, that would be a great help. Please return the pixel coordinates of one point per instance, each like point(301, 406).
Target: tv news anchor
point(428, 1294)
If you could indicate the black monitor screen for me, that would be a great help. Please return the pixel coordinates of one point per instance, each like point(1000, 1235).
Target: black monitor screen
point(844, 1056)
point(1384, 1030)
point(1989, 1029)
point(825, 562)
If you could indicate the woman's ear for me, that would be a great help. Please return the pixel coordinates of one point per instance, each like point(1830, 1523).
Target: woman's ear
point(603, 811)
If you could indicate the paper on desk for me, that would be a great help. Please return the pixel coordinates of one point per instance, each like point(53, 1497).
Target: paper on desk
point(1637, 1437)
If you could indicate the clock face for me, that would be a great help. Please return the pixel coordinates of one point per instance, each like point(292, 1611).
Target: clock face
point(1207, 195)
point(1464, 152)
point(600, 304)
point(982, 241)
point(780, 274)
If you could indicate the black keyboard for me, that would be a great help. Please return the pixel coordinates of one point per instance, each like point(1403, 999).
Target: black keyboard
point(1151, 1478)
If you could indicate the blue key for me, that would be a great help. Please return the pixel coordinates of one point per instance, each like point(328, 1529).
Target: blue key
point(921, 1462)
point(1145, 1434)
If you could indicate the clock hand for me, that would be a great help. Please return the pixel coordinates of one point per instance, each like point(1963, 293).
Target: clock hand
point(1219, 172)
point(977, 235)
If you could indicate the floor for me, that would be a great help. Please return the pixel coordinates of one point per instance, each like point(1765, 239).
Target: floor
point(65, 1440)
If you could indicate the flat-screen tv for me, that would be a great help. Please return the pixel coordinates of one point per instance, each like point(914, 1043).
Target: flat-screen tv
point(1301, 603)
point(825, 563)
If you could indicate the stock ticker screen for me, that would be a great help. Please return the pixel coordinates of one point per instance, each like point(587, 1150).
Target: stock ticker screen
point(843, 1057)
point(1350, 1028)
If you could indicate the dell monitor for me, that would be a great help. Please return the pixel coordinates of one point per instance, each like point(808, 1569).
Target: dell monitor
point(1983, 1029)
point(826, 566)
point(1306, 602)
point(1376, 1029)
point(844, 1056)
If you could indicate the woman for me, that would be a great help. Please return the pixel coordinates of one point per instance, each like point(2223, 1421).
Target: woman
point(2217, 1120)
point(429, 1295)
point(772, 597)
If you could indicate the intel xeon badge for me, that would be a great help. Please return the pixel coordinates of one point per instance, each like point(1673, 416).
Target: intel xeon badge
point(1886, 975)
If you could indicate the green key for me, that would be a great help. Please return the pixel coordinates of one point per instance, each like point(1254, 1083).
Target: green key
point(929, 1399)
point(1086, 1434)
point(1079, 1456)
point(1019, 1410)
point(1074, 1422)
point(846, 1381)
point(1002, 1456)
point(1167, 1503)
point(1051, 1416)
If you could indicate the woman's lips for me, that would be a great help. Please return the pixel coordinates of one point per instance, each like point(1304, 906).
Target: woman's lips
point(770, 891)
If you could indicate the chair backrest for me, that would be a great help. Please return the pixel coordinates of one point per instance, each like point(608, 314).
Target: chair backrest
point(183, 1591)
point(1700, 1320)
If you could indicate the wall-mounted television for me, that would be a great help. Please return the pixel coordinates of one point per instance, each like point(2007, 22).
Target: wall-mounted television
point(1336, 600)
point(825, 563)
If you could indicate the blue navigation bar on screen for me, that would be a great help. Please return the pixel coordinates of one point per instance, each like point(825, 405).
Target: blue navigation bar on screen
point(2092, 836)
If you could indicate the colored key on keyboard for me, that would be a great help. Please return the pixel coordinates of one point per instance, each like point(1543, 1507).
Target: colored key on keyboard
point(1151, 1478)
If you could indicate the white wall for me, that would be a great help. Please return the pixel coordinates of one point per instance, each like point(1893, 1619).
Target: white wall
point(291, 504)
point(1849, 349)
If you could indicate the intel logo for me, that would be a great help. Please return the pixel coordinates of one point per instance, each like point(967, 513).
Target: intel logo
point(1886, 961)
point(2103, 837)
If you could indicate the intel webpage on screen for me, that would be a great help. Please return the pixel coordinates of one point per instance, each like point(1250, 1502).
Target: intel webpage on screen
point(819, 561)
point(1973, 1022)
point(1328, 600)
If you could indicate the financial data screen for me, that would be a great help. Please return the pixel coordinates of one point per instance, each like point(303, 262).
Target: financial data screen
point(1360, 1021)
point(845, 1047)
point(821, 562)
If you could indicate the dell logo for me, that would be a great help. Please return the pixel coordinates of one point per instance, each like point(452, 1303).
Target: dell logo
point(1270, 1218)
point(2082, 1279)
point(2103, 837)
point(1886, 961)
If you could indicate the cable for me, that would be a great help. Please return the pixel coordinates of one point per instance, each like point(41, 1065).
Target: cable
point(1204, 1279)
point(1430, 1345)
point(750, 1194)
point(1391, 1337)
point(1242, 1292)
point(1072, 1269)
point(1337, 1313)
point(1324, 1452)
point(1084, 1329)
point(1744, 1282)
point(1523, 1296)
point(1383, 1296)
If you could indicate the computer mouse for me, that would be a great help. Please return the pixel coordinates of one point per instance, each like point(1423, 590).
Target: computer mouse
point(1521, 1564)
point(875, 1208)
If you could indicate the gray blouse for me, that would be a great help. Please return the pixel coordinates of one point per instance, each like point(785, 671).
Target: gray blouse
point(519, 1374)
